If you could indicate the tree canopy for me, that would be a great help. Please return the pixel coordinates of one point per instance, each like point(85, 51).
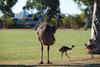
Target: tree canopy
point(88, 10)
point(40, 5)
point(6, 5)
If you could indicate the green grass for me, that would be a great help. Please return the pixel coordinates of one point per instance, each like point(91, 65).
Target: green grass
point(23, 44)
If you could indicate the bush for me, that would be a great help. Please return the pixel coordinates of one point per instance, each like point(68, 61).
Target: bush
point(75, 21)
point(8, 21)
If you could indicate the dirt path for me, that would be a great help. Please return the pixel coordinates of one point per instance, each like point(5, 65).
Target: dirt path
point(73, 62)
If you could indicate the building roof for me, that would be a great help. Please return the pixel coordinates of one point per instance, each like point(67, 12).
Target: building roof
point(21, 15)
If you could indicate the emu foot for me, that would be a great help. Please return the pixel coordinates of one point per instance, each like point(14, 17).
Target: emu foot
point(41, 62)
point(68, 57)
point(49, 62)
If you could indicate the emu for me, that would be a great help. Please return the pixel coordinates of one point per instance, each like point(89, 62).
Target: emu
point(64, 49)
point(91, 49)
point(46, 37)
point(46, 32)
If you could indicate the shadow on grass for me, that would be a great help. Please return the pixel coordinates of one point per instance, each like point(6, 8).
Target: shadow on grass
point(54, 65)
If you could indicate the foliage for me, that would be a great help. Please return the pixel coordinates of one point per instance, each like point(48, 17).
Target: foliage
point(5, 8)
point(88, 9)
point(40, 5)
point(1, 22)
point(8, 21)
point(6, 5)
point(1, 19)
point(73, 21)
point(88, 6)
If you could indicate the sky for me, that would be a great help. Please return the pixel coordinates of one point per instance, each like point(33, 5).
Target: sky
point(66, 6)
point(69, 7)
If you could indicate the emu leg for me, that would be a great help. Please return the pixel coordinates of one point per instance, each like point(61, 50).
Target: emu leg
point(41, 54)
point(67, 55)
point(48, 48)
point(92, 56)
point(62, 54)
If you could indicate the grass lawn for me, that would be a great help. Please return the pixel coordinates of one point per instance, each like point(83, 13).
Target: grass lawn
point(21, 46)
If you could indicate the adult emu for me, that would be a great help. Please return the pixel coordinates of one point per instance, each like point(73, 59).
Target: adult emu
point(46, 37)
point(91, 47)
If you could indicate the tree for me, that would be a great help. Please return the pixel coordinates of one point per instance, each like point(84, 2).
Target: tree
point(8, 21)
point(87, 10)
point(95, 32)
point(95, 11)
point(40, 5)
point(5, 7)
point(73, 21)
point(29, 6)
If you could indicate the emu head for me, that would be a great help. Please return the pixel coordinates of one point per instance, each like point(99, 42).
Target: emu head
point(59, 50)
point(85, 44)
point(73, 46)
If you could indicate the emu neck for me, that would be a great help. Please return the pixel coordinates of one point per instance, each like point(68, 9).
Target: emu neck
point(71, 48)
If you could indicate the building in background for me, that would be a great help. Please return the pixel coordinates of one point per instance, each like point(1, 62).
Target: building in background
point(25, 19)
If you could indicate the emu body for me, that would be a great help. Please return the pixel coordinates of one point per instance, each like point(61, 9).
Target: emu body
point(64, 49)
point(90, 49)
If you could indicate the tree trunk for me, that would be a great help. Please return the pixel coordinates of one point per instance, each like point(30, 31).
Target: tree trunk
point(4, 22)
point(95, 31)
